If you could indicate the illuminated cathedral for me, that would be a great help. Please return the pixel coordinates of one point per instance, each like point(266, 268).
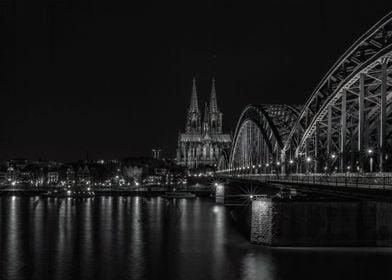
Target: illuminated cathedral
point(203, 141)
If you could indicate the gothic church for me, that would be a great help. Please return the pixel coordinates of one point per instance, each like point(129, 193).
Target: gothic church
point(202, 142)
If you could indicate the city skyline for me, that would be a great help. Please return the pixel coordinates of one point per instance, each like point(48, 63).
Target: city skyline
point(108, 81)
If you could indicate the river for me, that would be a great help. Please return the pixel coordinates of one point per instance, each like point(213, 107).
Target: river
point(152, 238)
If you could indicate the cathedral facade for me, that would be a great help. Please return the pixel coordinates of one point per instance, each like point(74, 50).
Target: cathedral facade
point(203, 140)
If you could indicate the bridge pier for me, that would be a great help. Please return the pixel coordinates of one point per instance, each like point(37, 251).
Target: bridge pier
point(220, 194)
point(317, 222)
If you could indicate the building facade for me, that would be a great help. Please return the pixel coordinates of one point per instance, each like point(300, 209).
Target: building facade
point(203, 140)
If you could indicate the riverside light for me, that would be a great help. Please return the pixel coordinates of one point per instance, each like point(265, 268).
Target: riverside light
point(291, 161)
point(370, 151)
point(277, 163)
point(308, 159)
point(333, 156)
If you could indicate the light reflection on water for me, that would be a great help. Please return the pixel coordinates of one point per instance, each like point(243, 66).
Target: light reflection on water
point(140, 238)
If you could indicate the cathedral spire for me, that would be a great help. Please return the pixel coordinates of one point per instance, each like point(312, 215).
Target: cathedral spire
point(213, 101)
point(194, 107)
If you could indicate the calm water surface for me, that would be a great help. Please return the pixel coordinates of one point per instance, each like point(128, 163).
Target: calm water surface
point(139, 238)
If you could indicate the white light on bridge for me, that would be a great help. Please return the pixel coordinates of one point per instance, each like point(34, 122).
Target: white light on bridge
point(370, 151)
point(278, 163)
point(308, 159)
point(333, 156)
point(291, 161)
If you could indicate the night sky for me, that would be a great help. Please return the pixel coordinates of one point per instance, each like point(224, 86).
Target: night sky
point(113, 78)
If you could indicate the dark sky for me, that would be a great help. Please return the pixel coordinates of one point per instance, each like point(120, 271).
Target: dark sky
point(114, 78)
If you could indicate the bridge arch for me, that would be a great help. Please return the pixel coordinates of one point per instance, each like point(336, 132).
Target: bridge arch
point(346, 124)
point(259, 136)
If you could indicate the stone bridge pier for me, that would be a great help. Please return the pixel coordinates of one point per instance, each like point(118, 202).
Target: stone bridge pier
point(219, 193)
point(320, 222)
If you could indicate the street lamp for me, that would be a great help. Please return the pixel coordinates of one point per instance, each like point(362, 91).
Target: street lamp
point(370, 152)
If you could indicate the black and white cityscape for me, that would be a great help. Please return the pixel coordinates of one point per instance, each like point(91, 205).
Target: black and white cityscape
point(196, 140)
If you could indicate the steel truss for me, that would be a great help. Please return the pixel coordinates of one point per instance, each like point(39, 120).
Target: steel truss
point(259, 137)
point(345, 126)
point(347, 120)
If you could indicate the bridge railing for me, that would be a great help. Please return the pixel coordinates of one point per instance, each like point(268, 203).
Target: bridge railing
point(381, 181)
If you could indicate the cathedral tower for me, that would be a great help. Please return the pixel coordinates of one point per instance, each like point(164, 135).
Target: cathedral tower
point(215, 117)
point(193, 124)
point(202, 143)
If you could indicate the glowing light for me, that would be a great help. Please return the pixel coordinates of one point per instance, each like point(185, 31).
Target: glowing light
point(308, 159)
point(215, 209)
point(68, 192)
point(251, 196)
point(370, 151)
point(277, 163)
point(253, 166)
point(267, 164)
point(333, 156)
point(291, 161)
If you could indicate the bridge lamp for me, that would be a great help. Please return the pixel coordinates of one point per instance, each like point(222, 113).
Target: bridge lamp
point(267, 164)
point(277, 163)
point(370, 151)
point(308, 159)
point(253, 166)
point(259, 165)
point(251, 196)
point(333, 156)
point(325, 168)
point(291, 161)
point(248, 167)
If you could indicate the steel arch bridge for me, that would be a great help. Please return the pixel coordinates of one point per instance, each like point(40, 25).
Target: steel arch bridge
point(259, 136)
point(345, 126)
